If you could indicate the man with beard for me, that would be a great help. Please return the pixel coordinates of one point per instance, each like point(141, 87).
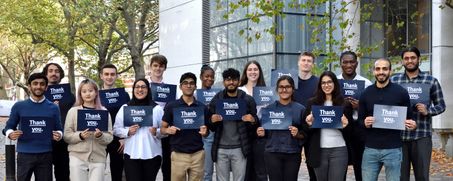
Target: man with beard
point(34, 152)
point(417, 144)
point(382, 146)
point(232, 138)
point(349, 63)
point(60, 160)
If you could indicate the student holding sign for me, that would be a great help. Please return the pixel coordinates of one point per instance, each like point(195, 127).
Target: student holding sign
point(113, 98)
point(184, 121)
point(284, 133)
point(39, 121)
point(351, 81)
point(427, 101)
point(65, 100)
point(142, 145)
point(233, 120)
point(252, 76)
point(383, 146)
point(329, 143)
point(87, 147)
point(207, 80)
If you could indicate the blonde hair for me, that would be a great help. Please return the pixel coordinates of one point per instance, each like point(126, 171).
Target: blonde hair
point(97, 100)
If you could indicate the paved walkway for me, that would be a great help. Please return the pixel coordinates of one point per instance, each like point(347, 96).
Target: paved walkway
point(303, 175)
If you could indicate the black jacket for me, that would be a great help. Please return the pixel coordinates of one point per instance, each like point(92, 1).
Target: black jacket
point(314, 151)
point(247, 130)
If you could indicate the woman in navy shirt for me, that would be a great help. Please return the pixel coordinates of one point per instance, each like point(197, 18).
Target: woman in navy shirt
point(282, 153)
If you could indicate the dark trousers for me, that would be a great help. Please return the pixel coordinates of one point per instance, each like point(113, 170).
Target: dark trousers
point(39, 164)
point(311, 171)
point(282, 166)
point(138, 169)
point(166, 159)
point(60, 160)
point(418, 154)
point(260, 167)
point(116, 160)
point(358, 146)
point(250, 174)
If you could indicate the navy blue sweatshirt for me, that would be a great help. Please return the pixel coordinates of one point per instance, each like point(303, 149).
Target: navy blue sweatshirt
point(28, 108)
point(305, 90)
point(393, 95)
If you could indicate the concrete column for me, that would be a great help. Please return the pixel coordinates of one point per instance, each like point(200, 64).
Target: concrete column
point(442, 49)
point(353, 28)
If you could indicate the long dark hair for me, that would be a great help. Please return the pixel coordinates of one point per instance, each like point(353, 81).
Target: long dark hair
point(147, 101)
point(320, 96)
point(244, 79)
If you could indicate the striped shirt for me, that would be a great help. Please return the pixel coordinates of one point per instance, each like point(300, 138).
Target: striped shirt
point(437, 104)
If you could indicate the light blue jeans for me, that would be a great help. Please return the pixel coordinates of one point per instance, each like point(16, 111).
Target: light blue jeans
point(374, 159)
point(208, 164)
point(230, 159)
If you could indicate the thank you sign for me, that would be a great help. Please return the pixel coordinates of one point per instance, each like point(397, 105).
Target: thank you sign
point(205, 95)
point(59, 92)
point(389, 117)
point(264, 95)
point(231, 109)
point(418, 93)
point(188, 117)
point(277, 73)
point(163, 92)
point(113, 97)
point(276, 118)
point(36, 128)
point(327, 116)
point(352, 88)
point(141, 115)
point(92, 119)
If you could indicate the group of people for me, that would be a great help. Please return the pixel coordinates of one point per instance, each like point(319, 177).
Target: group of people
point(241, 145)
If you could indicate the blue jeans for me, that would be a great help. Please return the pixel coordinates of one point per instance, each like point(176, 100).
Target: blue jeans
point(374, 159)
point(208, 164)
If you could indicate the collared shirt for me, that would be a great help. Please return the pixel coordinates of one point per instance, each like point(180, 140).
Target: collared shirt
point(184, 141)
point(141, 145)
point(358, 77)
point(437, 106)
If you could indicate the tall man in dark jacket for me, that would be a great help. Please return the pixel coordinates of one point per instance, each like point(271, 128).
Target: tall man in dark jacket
point(233, 138)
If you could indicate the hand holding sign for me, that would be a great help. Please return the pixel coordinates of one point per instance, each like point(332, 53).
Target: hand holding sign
point(421, 108)
point(98, 133)
point(369, 121)
point(85, 134)
point(309, 119)
point(133, 129)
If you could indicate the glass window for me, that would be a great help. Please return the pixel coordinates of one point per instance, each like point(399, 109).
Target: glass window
point(237, 44)
point(293, 6)
point(217, 11)
point(297, 34)
point(238, 13)
point(218, 43)
point(265, 43)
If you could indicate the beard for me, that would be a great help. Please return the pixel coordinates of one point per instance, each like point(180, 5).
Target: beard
point(382, 81)
point(412, 69)
point(34, 92)
point(233, 90)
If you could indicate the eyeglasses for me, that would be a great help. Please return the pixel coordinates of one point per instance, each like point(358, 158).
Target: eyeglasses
point(187, 83)
point(286, 87)
point(140, 87)
point(324, 83)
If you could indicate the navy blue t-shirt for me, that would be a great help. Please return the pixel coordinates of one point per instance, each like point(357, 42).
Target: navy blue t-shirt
point(306, 90)
point(184, 141)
